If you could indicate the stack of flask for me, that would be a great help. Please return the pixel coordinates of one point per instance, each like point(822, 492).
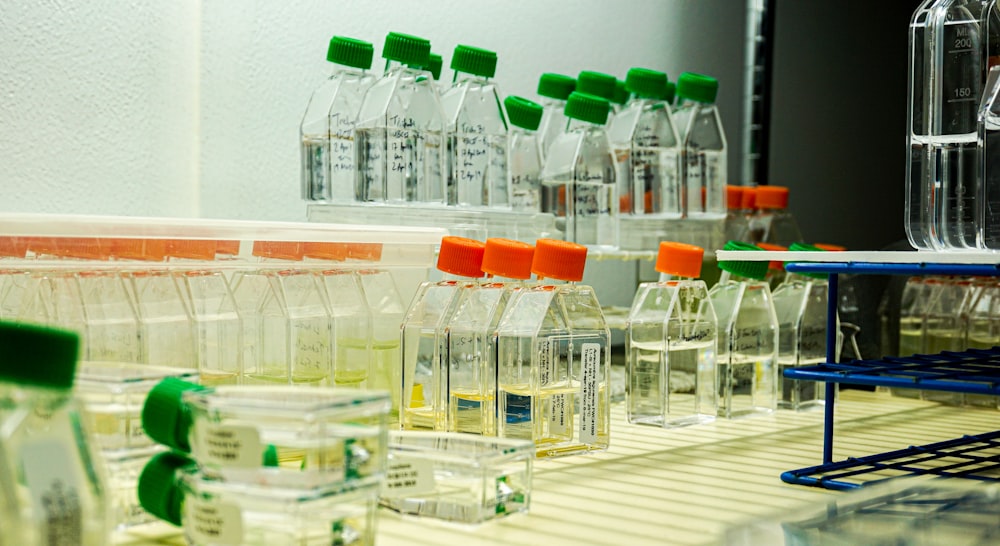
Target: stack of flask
point(265, 465)
point(52, 489)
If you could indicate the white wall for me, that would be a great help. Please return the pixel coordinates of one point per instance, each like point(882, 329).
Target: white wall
point(191, 108)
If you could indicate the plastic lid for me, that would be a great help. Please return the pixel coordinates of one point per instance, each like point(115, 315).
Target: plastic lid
point(325, 251)
point(191, 249)
point(589, 108)
point(461, 256)
point(350, 52)
point(229, 248)
point(281, 250)
point(434, 64)
point(670, 92)
point(157, 488)
point(596, 83)
point(151, 250)
point(697, 87)
point(556, 86)
point(523, 113)
point(774, 264)
point(648, 84)
point(680, 259)
point(85, 248)
point(734, 196)
point(38, 356)
point(406, 49)
point(810, 248)
point(164, 417)
point(369, 252)
point(13, 247)
point(772, 197)
point(474, 60)
point(748, 200)
point(750, 270)
point(508, 258)
point(621, 93)
point(43, 245)
point(561, 260)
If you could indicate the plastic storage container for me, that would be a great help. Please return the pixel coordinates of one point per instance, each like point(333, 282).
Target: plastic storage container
point(671, 338)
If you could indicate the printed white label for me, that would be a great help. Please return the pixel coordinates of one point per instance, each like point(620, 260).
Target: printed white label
point(52, 478)
point(407, 477)
point(228, 445)
point(212, 522)
point(546, 362)
point(590, 366)
point(557, 417)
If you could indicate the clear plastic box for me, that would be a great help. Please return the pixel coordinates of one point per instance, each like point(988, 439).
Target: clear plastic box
point(457, 477)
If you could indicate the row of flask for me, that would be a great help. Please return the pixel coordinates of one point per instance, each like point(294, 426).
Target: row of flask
point(506, 356)
point(759, 214)
point(305, 313)
point(944, 313)
point(696, 353)
point(952, 181)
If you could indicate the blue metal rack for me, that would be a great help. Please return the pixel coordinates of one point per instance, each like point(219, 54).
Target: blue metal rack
point(974, 371)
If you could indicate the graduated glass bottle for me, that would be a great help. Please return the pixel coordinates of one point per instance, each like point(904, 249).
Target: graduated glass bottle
point(671, 341)
point(748, 337)
point(524, 153)
point(424, 399)
point(578, 178)
point(800, 303)
point(51, 489)
point(470, 337)
point(554, 90)
point(646, 148)
point(327, 128)
point(704, 171)
point(477, 132)
point(399, 138)
point(553, 358)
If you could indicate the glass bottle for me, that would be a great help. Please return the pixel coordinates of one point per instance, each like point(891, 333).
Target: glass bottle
point(671, 339)
point(327, 128)
point(52, 491)
point(554, 90)
point(553, 358)
point(578, 178)
point(703, 150)
point(646, 148)
point(477, 132)
point(772, 219)
point(524, 153)
point(748, 338)
point(800, 304)
point(399, 133)
point(470, 337)
point(423, 404)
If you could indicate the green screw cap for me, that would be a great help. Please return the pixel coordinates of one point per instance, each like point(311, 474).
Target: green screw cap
point(597, 84)
point(350, 52)
point(165, 418)
point(523, 113)
point(158, 488)
point(474, 60)
point(808, 248)
point(750, 270)
point(645, 83)
point(435, 62)
point(38, 356)
point(587, 108)
point(556, 86)
point(671, 91)
point(407, 49)
point(697, 87)
point(621, 93)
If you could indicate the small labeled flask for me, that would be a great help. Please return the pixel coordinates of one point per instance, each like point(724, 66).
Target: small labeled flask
point(671, 338)
point(772, 219)
point(554, 90)
point(737, 223)
point(748, 338)
point(703, 151)
point(553, 358)
point(524, 153)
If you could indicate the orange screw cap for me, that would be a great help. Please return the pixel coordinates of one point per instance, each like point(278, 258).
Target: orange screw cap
point(774, 264)
point(461, 256)
point(748, 199)
point(227, 248)
point(191, 249)
point(772, 197)
point(150, 250)
point(13, 247)
point(559, 260)
point(281, 250)
point(829, 247)
point(325, 251)
point(734, 197)
point(680, 259)
point(508, 258)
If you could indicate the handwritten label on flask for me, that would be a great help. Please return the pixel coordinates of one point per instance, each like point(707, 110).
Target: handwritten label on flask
point(212, 522)
point(228, 445)
point(590, 365)
point(52, 477)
